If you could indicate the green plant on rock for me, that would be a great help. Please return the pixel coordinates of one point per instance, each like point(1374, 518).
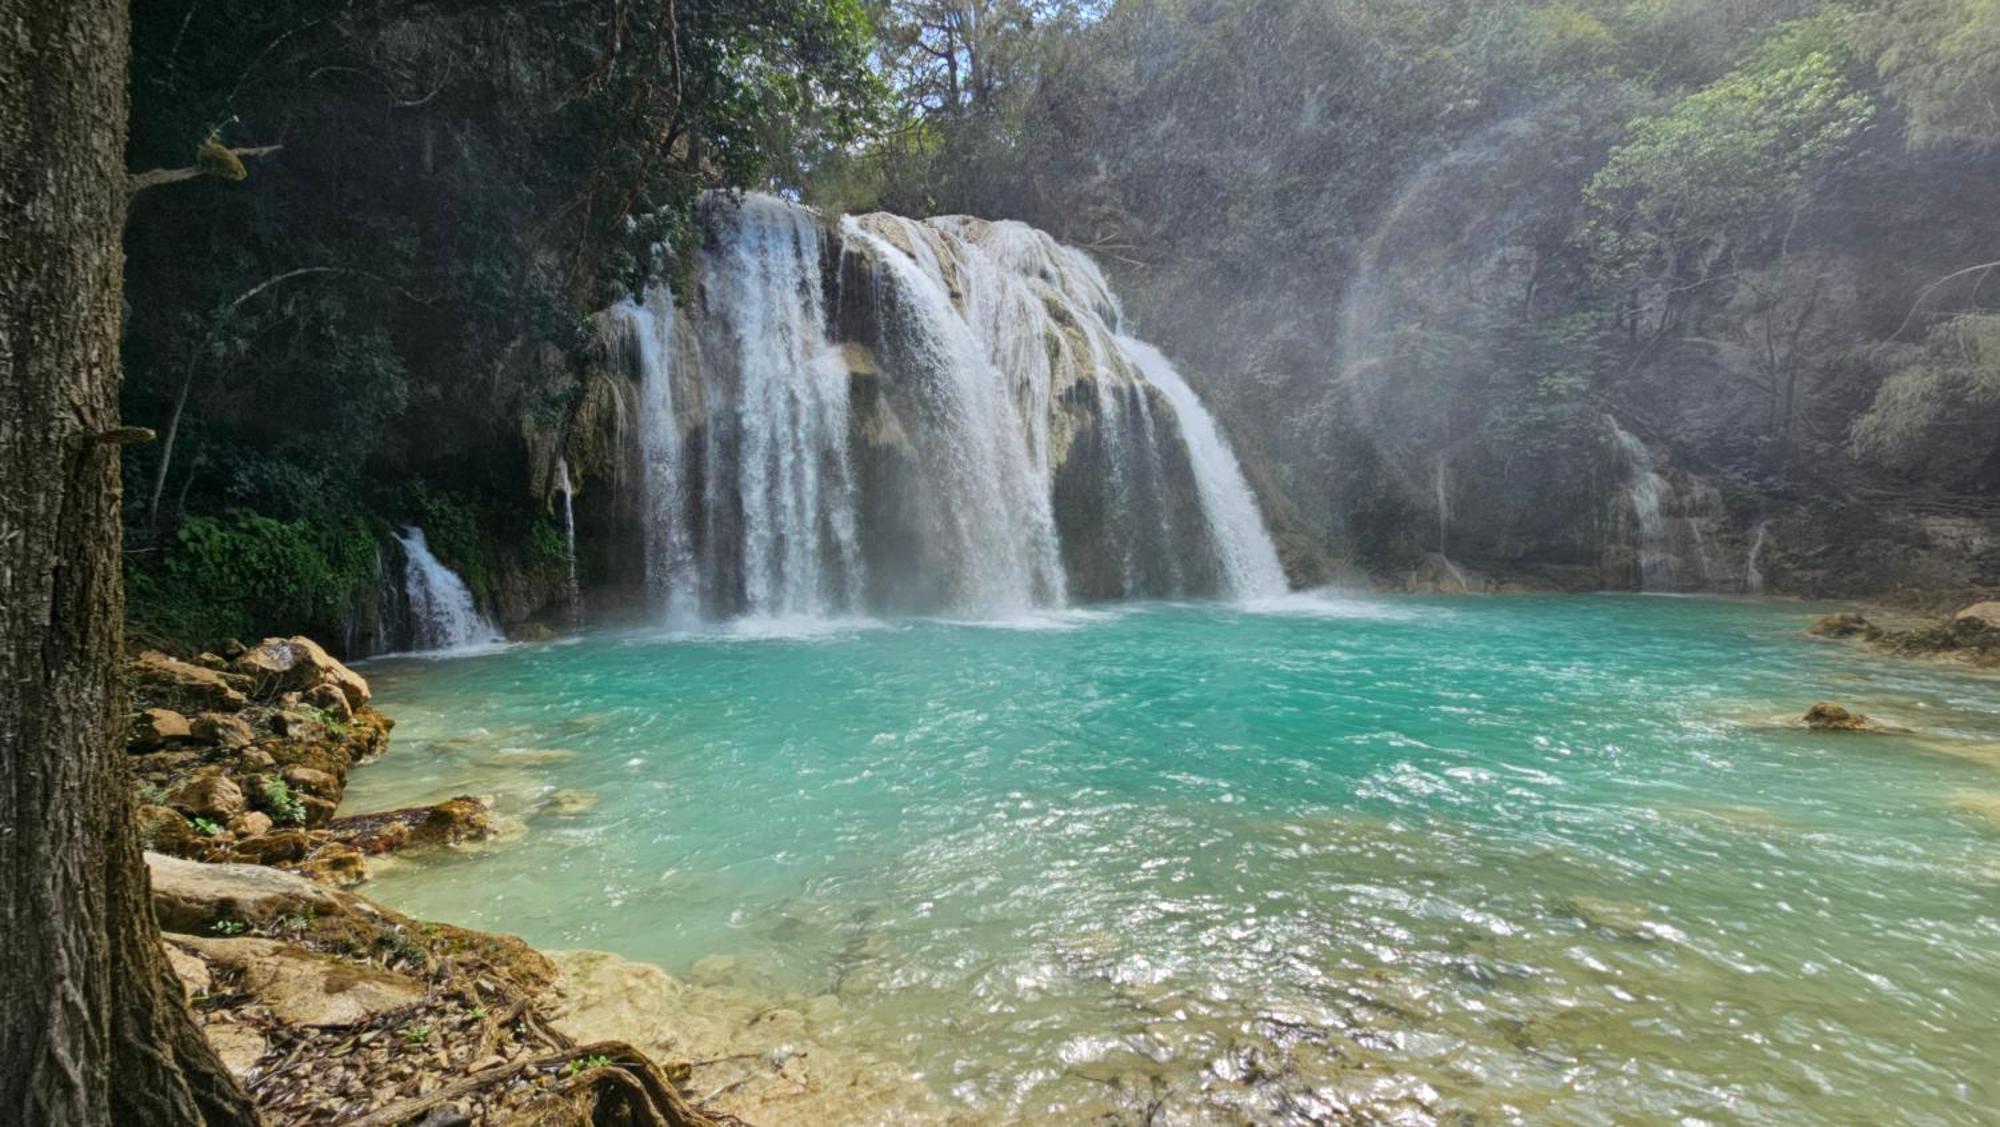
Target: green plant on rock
point(417, 1035)
point(587, 1064)
point(281, 804)
point(229, 927)
point(206, 827)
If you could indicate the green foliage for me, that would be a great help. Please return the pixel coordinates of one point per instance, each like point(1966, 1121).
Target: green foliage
point(586, 1064)
point(1940, 60)
point(284, 807)
point(205, 827)
point(451, 527)
point(229, 927)
point(1725, 158)
point(416, 1034)
point(246, 574)
point(1937, 414)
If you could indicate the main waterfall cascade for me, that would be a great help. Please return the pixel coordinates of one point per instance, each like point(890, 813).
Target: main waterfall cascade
point(920, 417)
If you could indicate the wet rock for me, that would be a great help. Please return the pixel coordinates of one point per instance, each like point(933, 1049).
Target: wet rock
point(223, 730)
point(273, 847)
point(566, 803)
point(534, 632)
point(256, 759)
point(189, 896)
point(254, 823)
point(212, 796)
point(298, 664)
point(294, 725)
point(156, 728)
point(452, 822)
point(1845, 625)
point(164, 829)
point(1829, 717)
point(335, 865)
point(166, 680)
point(302, 987)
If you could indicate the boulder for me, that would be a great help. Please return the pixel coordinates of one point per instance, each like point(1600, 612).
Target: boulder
point(451, 822)
point(189, 968)
point(239, 1046)
point(302, 987)
point(273, 847)
point(335, 865)
point(312, 781)
point(223, 730)
point(164, 829)
point(256, 759)
point(158, 727)
point(1845, 625)
point(1829, 717)
point(212, 661)
point(212, 796)
point(1987, 613)
point(189, 896)
point(297, 725)
point(298, 664)
point(169, 681)
point(329, 699)
point(252, 823)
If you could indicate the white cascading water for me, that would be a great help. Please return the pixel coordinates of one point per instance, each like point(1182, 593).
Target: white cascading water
point(987, 503)
point(443, 615)
point(1249, 561)
point(984, 330)
point(1753, 573)
point(568, 489)
point(1645, 488)
point(645, 331)
point(799, 547)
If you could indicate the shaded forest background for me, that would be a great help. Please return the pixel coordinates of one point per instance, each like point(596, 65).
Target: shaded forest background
point(1414, 251)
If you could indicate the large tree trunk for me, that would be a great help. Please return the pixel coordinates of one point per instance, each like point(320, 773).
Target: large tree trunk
point(92, 1026)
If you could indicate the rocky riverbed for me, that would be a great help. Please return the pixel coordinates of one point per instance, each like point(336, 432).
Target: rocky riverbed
point(330, 1008)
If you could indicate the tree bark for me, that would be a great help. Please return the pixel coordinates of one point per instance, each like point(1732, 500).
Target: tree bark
point(95, 1030)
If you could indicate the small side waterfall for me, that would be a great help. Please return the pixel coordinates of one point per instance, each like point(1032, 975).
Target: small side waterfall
point(1753, 575)
point(1645, 488)
point(1249, 559)
point(574, 592)
point(644, 332)
point(443, 615)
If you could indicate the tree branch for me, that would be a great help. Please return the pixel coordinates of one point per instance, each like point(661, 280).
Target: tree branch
point(140, 181)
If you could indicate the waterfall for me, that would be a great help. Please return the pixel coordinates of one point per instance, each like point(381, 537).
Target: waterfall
point(1645, 488)
point(1753, 575)
point(1249, 560)
point(443, 615)
point(644, 330)
point(987, 504)
point(793, 491)
point(569, 528)
point(883, 414)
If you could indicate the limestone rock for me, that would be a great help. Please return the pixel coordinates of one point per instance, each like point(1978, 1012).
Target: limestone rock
point(565, 803)
point(328, 698)
point(311, 781)
point(158, 727)
point(1845, 625)
point(212, 661)
point(254, 759)
point(192, 972)
point(298, 664)
point(301, 987)
point(296, 725)
point(189, 896)
point(211, 796)
point(279, 847)
point(164, 829)
point(336, 866)
point(1829, 717)
point(239, 1046)
point(167, 680)
point(223, 730)
point(253, 823)
point(1987, 613)
point(451, 822)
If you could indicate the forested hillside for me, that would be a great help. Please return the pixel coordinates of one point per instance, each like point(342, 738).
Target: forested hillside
point(1420, 250)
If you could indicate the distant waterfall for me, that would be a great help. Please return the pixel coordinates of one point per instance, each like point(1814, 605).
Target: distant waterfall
point(1645, 488)
point(884, 415)
point(443, 615)
point(1753, 573)
point(1249, 559)
point(569, 526)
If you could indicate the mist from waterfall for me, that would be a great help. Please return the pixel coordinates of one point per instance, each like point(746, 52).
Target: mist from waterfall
point(975, 342)
point(443, 614)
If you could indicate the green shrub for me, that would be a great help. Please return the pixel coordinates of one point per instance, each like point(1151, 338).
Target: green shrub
point(245, 574)
point(281, 804)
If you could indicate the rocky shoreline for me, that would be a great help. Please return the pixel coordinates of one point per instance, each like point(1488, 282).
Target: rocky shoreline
point(330, 1008)
point(1970, 635)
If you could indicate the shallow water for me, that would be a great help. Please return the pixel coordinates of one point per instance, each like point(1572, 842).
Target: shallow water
point(1520, 859)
